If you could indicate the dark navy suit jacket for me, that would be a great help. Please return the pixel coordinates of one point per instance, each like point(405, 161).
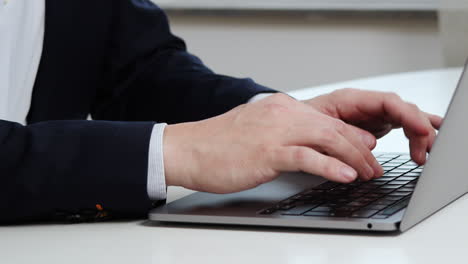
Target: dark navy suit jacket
point(117, 61)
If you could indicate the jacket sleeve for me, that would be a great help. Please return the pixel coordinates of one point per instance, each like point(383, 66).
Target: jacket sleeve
point(151, 76)
point(67, 166)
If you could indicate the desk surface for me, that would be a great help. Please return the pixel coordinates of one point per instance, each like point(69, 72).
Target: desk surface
point(440, 239)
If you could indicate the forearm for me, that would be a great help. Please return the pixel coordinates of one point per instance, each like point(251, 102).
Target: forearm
point(72, 165)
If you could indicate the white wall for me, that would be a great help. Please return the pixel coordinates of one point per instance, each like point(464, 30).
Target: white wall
point(454, 33)
point(291, 51)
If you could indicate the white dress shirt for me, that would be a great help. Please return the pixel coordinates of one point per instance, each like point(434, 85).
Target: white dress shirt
point(21, 41)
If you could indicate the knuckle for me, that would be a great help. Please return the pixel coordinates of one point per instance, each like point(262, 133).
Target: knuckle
point(300, 156)
point(263, 148)
point(349, 90)
point(369, 156)
point(328, 168)
point(281, 97)
point(345, 91)
point(275, 109)
point(328, 136)
point(354, 156)
point(393, 96)
point(358, 157)
point(340, 126)
point(413, 106)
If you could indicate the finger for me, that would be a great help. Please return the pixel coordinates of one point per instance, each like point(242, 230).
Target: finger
point(323, 136)
point(363, 141)
point(383, 131)
point(436, 121)
point(336, 145)
point(415, 124)
point(366, 137)
point(419, 146)
point(421, 143)
point(407, 115)
point(298, 158)
point(335, 138)
point(418, 150)
point(431, 139)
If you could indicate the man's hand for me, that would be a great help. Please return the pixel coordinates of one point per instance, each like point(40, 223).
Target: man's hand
point(251, 144)
point(379, 113)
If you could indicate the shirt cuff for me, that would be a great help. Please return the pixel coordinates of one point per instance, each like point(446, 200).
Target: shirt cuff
point(259, 97)
point(156, 186)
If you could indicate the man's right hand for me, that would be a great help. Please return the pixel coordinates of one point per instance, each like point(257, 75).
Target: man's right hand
point(253, 143)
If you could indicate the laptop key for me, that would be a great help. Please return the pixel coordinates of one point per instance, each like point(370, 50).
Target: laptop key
point(406, 178)
point(308, 198)
point(355, 195)
point(392, 163)
point(366, 200)
point(313, 192)
point(407, 167)
point(391, 186)
point(389, 155)
point(406, 189)
point(322, 209)
point(311, 213)
point(393, 198)
point(383, 191)
point(383, 201)
point(398, 182)
point(298, 210)
point(395, 208)
point(380, 216)
point(374, 195)
point(326, 186)
point(357, 204)
point(348, 208)
point(401, 160)
point(398, 193)
point(376, 207)
point(385, 179)
point(392, 174)
point(364, 213)
point(378, 182)
point(382, 160)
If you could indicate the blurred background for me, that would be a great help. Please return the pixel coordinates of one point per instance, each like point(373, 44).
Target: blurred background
point(293, 44)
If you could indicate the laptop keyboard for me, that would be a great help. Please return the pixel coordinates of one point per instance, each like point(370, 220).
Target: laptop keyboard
point(378, 199)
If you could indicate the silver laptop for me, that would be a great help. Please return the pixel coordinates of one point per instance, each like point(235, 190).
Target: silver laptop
point(404, 196)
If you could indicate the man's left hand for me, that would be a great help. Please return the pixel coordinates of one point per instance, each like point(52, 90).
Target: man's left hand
point(379, 113)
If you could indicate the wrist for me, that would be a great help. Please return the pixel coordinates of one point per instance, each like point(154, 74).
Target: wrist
point(178, 155)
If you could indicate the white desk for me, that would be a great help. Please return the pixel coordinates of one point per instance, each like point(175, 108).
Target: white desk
point(443, 238)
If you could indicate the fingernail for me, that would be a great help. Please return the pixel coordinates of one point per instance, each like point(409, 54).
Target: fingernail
point(370, 172)
point(379, 170)
point(348, 174)
point(422, 156)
